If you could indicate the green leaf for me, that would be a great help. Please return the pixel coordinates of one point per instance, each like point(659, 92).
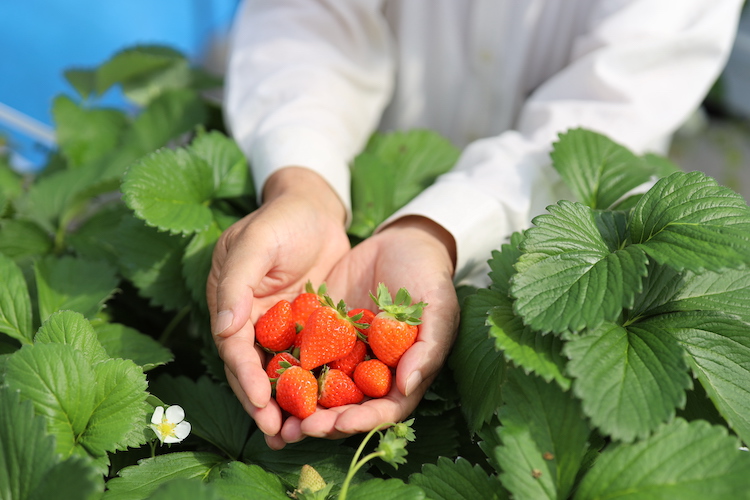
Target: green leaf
point(86, 135)
point(21, 238)
point(689, 222)
point(630, 379)
point(378, 489)
point(169, 189)
point(240, 481)
point(330, 458)
point(152, 260)
point(596, 169)
point(93, 239)
point(59, 380)
point(213, 411)
point(418, 157)
point(230, 168)
point(197, 260)
point(15, 302)
point(119, 418)
point(393, 168)
point(448, 480)
point(478, 368)
point(135, 64)
point(170, 115)
point(140, 481)
point(82, 80)
point(181, 488)
point(71, 283)
point(373, 188)
point(502, 264)
point(526, 348)
point(689, 461)
point(544, 438)
point(574, 272)
point(121, 341)
point(27, 452)
point(718, 348)
point(72, 328)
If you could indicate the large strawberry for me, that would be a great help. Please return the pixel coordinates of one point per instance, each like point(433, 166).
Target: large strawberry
point(329, 334)
point(336, 388)
point(297, 391)
point(305, 303)
point(394, 329)
point(373, 378)
point(275, 329)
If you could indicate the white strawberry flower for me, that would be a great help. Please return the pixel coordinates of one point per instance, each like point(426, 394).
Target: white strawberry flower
point(170, 426)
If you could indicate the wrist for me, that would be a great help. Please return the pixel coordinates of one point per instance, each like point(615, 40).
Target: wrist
point(430, 229)
point(304, 183)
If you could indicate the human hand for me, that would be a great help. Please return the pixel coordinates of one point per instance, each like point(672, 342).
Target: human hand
point(414, 253)
point(297, 235)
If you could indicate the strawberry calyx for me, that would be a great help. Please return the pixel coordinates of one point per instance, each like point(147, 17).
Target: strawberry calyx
point(342, 310)
point(401, 309)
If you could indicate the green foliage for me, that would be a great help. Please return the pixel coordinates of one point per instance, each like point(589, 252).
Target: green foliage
point(608, 357)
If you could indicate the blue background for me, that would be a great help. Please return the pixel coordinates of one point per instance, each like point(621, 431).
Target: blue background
point(39, 39)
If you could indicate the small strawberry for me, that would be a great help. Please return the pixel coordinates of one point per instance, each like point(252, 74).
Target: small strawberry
point(336, 388)
point(394, 328)
point(351, 360)
point(278, 363)
point(305, 303)
point(297, 392)
point(329, 334)
point(275, 330)
point(365, 319)
point(373, 377)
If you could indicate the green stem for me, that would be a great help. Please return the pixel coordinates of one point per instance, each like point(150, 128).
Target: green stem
point(353, 470)
point(173, 324)
point(355, 465)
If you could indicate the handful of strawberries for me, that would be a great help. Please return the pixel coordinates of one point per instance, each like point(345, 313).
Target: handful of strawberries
point(327, 354)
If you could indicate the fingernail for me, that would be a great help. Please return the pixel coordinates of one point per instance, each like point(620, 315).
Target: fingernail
point(223, 321)
point(412, 382)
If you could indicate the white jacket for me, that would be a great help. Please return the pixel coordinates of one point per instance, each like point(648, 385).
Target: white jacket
point(308, 81)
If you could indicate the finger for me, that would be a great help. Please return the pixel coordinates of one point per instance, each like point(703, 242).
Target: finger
point(244, 360)
point(322, 423)
point(268, 419)
point(364, 417)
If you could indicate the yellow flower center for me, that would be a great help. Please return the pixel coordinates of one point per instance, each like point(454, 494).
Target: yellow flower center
point(165, 428)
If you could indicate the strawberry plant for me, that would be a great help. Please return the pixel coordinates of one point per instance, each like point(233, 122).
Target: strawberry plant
point(609, 356)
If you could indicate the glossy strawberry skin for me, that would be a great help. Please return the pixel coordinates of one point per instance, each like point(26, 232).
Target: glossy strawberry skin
point(390, 338)
point(302, 307)
point(348, 363)
point(365, 319)
point(373, 377)
point(275, 330)
point(328, 336)
point(336, 388)
point(297, 392)
point(274, 365)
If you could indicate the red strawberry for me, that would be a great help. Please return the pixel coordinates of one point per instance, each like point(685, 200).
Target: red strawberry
point(305, 303)
point(373, 378)
point(365, 319)
point(297, 392)
point(278, 363)
point(336, 388)
point(394, 328)
point(329, 335)
point(351, 360)
point(276, 330)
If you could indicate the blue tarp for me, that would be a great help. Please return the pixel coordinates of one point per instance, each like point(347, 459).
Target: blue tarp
point(39, 39)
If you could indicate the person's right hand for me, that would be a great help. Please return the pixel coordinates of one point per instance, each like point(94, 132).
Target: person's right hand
point(297, 235)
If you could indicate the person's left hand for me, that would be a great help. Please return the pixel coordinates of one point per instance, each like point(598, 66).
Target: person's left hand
point(419, 255)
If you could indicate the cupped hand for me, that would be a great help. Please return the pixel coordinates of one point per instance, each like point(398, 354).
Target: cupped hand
point(416, 254)
point(297, 235)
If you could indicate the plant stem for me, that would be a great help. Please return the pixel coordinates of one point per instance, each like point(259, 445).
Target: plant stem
point(173, 324)
point(353, 470)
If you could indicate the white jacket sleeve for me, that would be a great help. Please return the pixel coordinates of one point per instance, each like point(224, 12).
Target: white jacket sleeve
point(306, 84)
point(636, 76)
